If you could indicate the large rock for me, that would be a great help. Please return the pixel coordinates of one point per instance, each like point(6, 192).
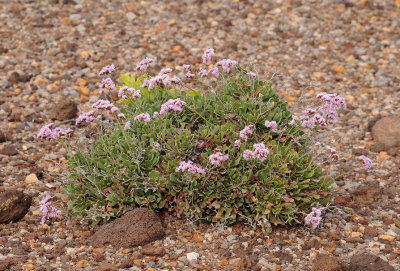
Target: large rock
point(326, 263)
point(386, 133)
point(136, 228)
point(367, 194)
point(14, 205)
point(368, 262)
point(64, 110)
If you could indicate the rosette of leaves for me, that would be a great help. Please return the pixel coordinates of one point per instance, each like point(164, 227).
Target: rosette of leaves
point(127, 169)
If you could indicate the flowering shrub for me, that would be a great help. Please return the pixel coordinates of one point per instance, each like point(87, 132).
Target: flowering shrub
point(231, 153)
point(48, 210)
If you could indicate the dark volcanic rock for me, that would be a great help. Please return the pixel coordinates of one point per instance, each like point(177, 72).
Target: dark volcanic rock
point(135, 228)
point(14, 205)
point(368, 262)
point(64, 110)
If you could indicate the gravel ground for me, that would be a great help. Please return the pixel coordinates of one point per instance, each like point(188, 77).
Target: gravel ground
point(304, 47)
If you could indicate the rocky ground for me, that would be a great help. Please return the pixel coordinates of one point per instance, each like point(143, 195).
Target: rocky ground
point(52, 50)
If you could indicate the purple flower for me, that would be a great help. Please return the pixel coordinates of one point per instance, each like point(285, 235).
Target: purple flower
point(246, 132)
point(175, 105)
point(48, 210)
point(47, 133)
point(294, 120)
point(186, 67)
point(106, 83)
point(87, 117)
point(121, 92)
point(272, 125)
point(189, 75)
point(137, 94)
point(155, 115)
point(238, 143)
point(103, 104)
point(226, 64)
point(218, 157)
point(107, 69)
point(251, 75)
point(121, 115)
point(127, 125)
point(260, 152)
point(214, 71)
point(314, 217)
point(142, 66)
point(189, 166)
point(143, 117)
point(203, 72)
point(165, 71)
point(208, 54)
point(367, 163)
point(333, 154)
point(161, 79)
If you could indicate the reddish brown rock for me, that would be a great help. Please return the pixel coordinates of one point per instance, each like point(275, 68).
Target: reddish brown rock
point(14, 205)
point(326, 263)
point(386, 133)
point(64, 110)
point(108, 267)
point(135, 228)
point(368, 262)
point(150, 250)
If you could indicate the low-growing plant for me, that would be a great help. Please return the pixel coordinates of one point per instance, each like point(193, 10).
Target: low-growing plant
point(229, 153)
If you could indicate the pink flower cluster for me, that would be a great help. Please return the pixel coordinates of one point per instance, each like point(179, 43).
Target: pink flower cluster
point(125, 91)
point(127, 125)
point(189, 166)
point(333, 154)
point(162, 79)
point(106, 83)
point(208, 54)
point(226, 64)
point(174, 105)
point(272, 125)
point(107, 70)
point(314, 218)
point(203, 72)
point(142, 66)
point(326, 114)
point(367, 163)
point(47, 133)
point(105, 104)
point(217, 158)
point(87, 117)
point(260, 152)
point(251, 75)
point(48, 210)
point(246, 132)
point(143, 117)
point(188, 74)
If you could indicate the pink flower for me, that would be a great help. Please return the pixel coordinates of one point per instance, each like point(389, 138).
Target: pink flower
point(47, 133)
point(103, 104)
point(260, 152)
point(333, 154)
point(186, 67)
point(48, 210)
point(314, 217)
point(203, 72)
point(143, 117)
point(175, 105)
point(121, 115)
point(272, 125)
point(107, 69)
point(106, 83)
point(251, 75)
point(294, 120)
point(137, 94)
point(214, 71)
point(189, 75)
point(246, 132)
point(87, 117)
point(217, 158)
point(142, 66)
point(367, 163)
point(208, 54)
point(155, 115)
point(238, 143)
point(189, 166)
point(127, 125)
point(226, 64)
